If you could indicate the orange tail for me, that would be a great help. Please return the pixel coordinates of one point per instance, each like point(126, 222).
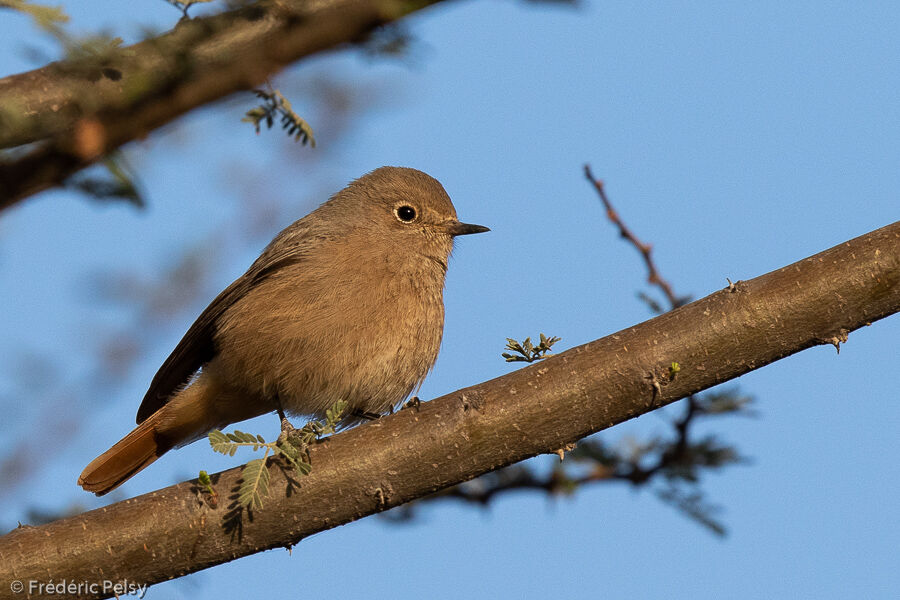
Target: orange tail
point(128, 456)
point(188, 416)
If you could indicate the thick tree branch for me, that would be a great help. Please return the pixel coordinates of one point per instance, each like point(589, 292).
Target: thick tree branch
point(536, 410)
point(76, 110)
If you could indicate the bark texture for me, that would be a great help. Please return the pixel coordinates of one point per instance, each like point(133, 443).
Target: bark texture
point(538, 409)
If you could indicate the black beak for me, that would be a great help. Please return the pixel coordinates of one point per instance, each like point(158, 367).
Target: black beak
point(458, 228)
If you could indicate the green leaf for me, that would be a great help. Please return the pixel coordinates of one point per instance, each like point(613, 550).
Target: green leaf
point(286, 449)
point(254, 484)
point(221, 443)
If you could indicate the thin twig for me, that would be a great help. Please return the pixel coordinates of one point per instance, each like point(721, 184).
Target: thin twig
point(646, 250)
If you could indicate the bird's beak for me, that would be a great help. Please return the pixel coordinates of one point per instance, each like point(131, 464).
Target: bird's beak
point(456, 228)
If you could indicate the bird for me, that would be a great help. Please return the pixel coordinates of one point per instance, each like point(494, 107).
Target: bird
point(345, 304)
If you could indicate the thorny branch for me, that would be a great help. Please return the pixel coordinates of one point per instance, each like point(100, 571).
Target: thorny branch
point(677, 459)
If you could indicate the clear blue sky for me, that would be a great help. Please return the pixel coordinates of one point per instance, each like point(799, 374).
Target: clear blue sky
point(736, 137)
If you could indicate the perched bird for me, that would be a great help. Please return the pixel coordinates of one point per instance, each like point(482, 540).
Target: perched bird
point(344, 304)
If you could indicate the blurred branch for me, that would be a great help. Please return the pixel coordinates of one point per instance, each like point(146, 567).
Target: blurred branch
point(124, 93)
point(163, 293)
point(592, 461)
point(48, 18)
point(540, 409)
point(118, 184)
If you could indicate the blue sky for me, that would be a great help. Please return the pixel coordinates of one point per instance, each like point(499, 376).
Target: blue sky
point(736, 137)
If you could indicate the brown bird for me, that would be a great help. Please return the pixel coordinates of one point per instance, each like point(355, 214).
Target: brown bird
point(344, 304)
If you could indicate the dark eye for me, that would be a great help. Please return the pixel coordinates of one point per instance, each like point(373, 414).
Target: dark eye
point(405, 213)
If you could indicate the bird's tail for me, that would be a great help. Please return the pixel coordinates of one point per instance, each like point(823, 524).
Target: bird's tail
point(129, 455)
point(188, 416)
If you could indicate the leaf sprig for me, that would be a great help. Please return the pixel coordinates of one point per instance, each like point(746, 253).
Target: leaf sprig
point(276, 105)
point(526, 351)
point(291, 445)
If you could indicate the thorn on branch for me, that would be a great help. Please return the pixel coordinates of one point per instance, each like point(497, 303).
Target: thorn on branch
point(840, 338)
point(561, 452)
point(380, 500)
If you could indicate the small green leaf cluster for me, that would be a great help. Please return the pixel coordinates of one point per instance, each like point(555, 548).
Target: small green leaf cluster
point(205, 481)
point(674, 370)
point(291, 445)
point(526, 351)
point(276, 105)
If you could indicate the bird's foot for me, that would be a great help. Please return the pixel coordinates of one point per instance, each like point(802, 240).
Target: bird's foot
point(286, 426)
point(289, 433)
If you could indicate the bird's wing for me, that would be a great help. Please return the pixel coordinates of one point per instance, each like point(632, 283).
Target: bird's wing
point(197, 347)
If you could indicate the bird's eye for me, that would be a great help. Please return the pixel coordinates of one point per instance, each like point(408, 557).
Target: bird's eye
point(405, 213)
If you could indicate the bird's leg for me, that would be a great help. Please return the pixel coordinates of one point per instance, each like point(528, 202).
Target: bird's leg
point(286, 427)
point(365, 415)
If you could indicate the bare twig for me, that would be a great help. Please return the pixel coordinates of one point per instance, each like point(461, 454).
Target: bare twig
point(646, 250)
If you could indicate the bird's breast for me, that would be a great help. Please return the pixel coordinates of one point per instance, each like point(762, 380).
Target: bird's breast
point(366, 336)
